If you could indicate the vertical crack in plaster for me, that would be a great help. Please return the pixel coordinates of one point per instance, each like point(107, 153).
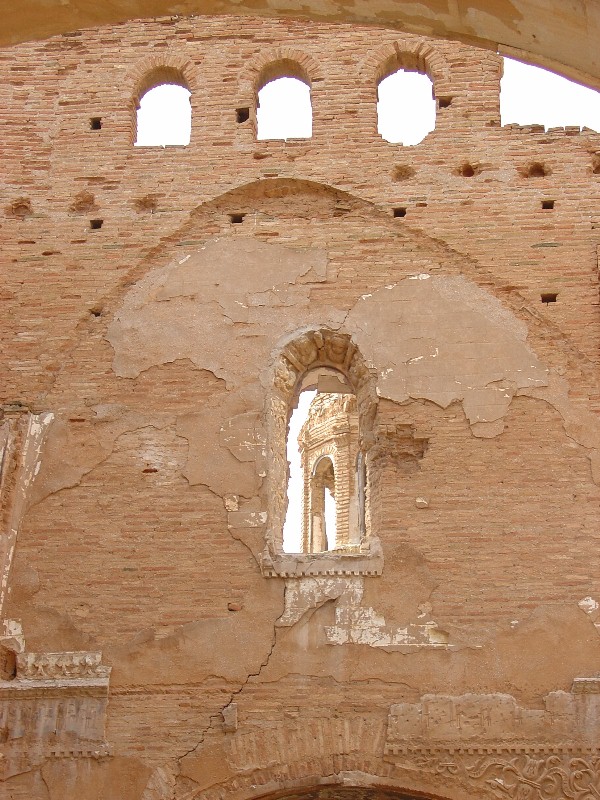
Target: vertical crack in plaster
point(214, 718)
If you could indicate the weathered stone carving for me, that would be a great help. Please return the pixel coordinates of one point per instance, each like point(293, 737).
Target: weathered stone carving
point(516, 776)
point(479, 720)
point(50, 666)
point(21, 439)
point(54, 707)
point(506, 750)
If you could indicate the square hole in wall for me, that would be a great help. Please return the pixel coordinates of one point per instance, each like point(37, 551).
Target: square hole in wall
point(547, 204)
point(236, 219)
point(242, 114)
point(96, 123)
point(96, 224)
point(444, 102)
point(399, 212)
point(549, 297)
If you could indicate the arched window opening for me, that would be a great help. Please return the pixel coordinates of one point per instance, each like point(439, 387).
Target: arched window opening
point(405, 107)
point(164, 116)
point(321, 436)
point(324, 506)
point(319, 533)
point(284, 110)
point(534, 96)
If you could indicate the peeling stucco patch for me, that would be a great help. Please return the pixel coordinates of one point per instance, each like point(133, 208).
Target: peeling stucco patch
point(363, 625)
point(302, 594)
point(355, 623)
point(190, 307)
point(75, 448)
point(222, 449)
point(444, 339)
point(592, 608)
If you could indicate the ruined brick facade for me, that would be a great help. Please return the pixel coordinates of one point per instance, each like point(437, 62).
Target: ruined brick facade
point(157, 642)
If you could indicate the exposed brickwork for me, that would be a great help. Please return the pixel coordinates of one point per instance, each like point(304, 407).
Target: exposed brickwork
point(153, 341)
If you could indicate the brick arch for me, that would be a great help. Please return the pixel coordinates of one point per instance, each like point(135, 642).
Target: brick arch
point(358, 771)
point(161, 68)
point(155, 71)
point(408, 54)
point(282, 62)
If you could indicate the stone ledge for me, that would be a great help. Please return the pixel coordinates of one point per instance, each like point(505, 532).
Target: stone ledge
point(367, 561)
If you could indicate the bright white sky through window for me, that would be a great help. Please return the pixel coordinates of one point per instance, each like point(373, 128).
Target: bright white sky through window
point(405, 107)
point(292, 529)
point(529, 95)
point(164, 117)
point(284, 110)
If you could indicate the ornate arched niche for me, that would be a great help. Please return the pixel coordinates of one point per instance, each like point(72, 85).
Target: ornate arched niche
point(300, 363)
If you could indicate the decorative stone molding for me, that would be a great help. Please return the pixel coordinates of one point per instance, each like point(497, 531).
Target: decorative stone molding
point(55, 707)
point(62, 666)
point(495, 720)
point(503, 750)
point(368, 560)
point(536, 774)
point(22, 435)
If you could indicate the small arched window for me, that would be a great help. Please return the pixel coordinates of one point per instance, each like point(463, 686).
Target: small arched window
point(321, 423)
point(163, 110)
point(320, 527)
point(283, 107)
point(405, 107)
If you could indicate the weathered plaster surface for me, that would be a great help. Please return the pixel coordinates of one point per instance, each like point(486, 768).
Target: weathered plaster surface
point(190, 308)
point(355, 623)
point(444, 339)
point(74, 448)
point(439, 338)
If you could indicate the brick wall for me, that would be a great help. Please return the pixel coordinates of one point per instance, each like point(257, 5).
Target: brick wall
point(126, 546)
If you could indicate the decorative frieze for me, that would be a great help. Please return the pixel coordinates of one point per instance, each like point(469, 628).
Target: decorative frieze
point(491, 744)
point(538, 774)
point(62, 667)
point(55, 707)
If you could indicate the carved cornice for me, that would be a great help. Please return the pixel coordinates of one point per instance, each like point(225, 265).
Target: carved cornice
point(54, 707)
point(68, 666)
point(368, 560)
